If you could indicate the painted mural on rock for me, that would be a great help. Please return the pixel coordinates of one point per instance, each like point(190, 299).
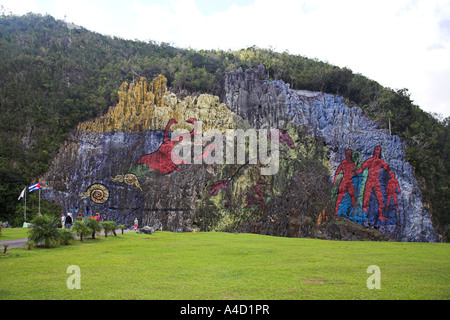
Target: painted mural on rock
point(367, 194)
point(389, 200)
point(123, 164)
point(108, 148)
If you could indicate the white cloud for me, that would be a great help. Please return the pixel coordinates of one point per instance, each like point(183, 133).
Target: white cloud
point(19, 7)
point(402, 43)
point(90, 15)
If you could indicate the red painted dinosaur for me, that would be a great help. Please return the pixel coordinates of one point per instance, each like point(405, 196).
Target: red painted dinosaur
point(161, 160)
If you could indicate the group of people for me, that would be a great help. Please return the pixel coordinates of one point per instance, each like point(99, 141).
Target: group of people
point(67, 220)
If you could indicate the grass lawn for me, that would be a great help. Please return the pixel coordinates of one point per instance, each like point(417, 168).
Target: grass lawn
point(224, 266)
point(13, 233)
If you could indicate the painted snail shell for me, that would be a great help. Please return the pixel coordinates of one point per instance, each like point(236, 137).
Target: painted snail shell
point(130, 179)
point(97, 193)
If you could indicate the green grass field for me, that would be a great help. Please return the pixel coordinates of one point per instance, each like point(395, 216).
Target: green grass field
point(13, 233)
point(223, 266)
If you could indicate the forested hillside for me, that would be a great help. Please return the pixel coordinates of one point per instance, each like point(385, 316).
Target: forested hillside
point(54, 77)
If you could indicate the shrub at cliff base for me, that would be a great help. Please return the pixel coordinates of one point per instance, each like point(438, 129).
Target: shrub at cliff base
point(45, 230)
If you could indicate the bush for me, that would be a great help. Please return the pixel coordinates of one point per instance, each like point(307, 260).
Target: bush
point(93, 225)
point(113, 227)
point(30, 244)
point(80, 228)
point(66, 237)
point(109, 226)
point(45, 229)
point(106, 227)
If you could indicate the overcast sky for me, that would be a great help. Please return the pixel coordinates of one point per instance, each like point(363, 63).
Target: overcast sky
point(398, 43)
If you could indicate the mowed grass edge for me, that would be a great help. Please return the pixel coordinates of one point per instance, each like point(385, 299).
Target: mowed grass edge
point(226, 266)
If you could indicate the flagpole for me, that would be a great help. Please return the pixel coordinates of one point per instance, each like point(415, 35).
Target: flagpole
point(25, 209)
point(33, 187)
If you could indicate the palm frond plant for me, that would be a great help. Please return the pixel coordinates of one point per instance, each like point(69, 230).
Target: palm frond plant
point(45, 230)
point(80, 228)
point(30, 244)
point(67, 237)
point(93, 225)
point(106, 227)
point(111, 226)
point(122, 227)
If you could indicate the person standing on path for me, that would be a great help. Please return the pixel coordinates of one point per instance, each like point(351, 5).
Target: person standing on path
point(136, 222)
point(69, 221)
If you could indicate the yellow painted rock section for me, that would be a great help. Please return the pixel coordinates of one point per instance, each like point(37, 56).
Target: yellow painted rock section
point(149, 106)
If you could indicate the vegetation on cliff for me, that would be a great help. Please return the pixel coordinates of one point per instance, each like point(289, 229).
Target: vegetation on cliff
point(54, 77)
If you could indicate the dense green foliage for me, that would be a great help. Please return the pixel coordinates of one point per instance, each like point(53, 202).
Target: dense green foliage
point(93, 225)
point(45, 230)
point(53, 77)
point(80, 228)
point(109, 226)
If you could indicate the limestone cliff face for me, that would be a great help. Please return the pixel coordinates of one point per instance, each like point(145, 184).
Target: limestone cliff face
point(137, 105)
point(97, 161)
point(97, 169)
point(149, 106)
point(120, 164)
point(342, 128)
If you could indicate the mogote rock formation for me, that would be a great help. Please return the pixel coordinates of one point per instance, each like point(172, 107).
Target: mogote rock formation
point(339, 175)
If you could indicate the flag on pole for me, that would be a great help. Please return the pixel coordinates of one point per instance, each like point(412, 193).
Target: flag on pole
point(34, 187)
point(22, 193)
